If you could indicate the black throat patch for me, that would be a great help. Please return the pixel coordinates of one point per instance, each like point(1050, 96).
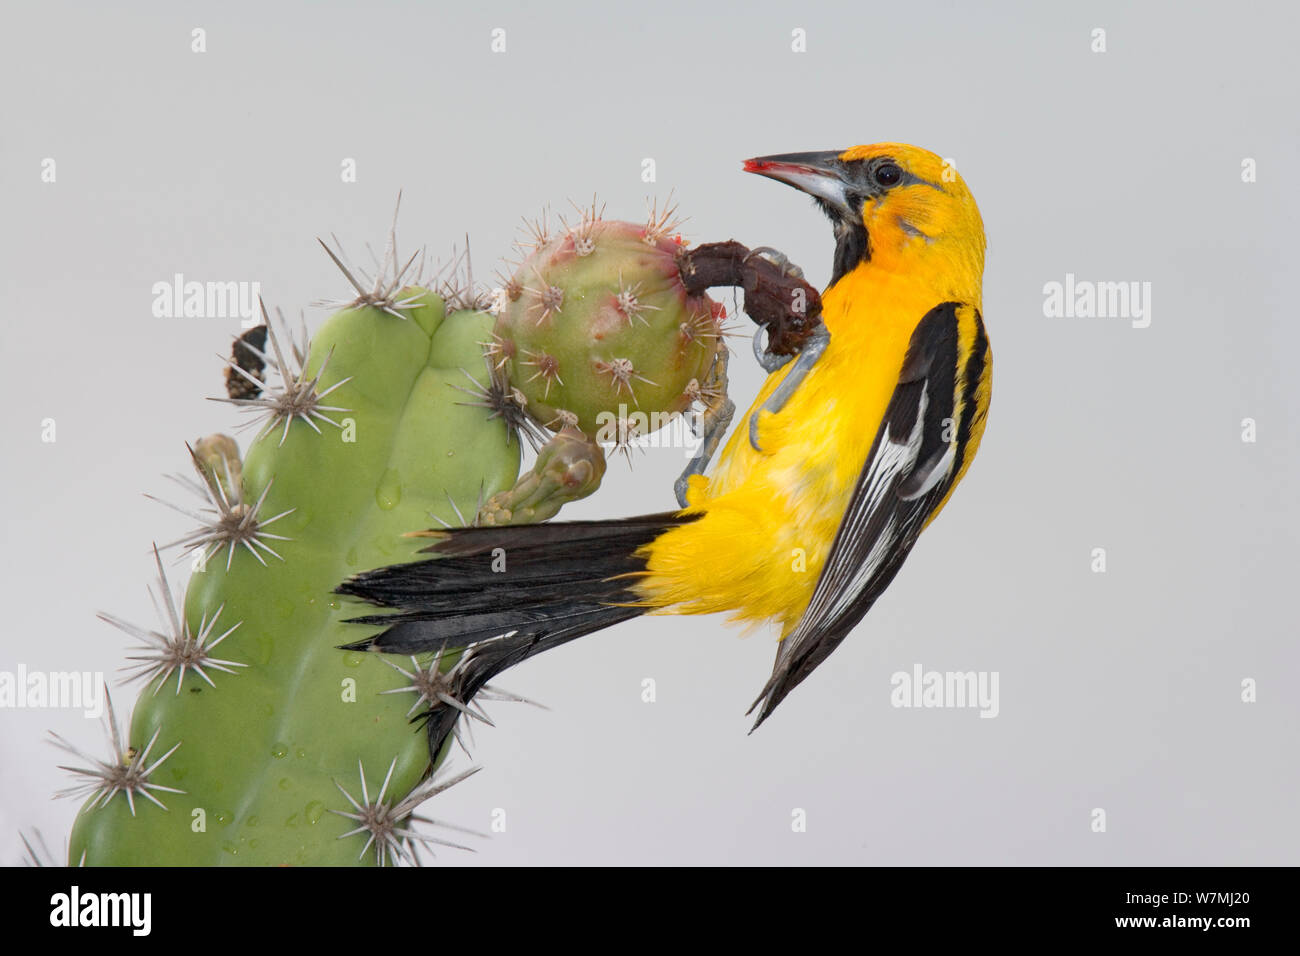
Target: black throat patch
point(852, 247)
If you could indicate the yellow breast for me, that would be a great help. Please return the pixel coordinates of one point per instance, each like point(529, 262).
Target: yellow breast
point(770, 516)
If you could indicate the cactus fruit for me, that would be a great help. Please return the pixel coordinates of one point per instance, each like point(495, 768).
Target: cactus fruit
point(595, 330)
point(569, 466)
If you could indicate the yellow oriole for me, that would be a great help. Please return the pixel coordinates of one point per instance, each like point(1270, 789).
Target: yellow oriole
point(813, 505)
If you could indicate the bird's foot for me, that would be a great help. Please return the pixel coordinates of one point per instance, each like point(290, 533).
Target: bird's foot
point(713, 425)
point(808, 357)
point(713, 422)
point(770, 361)
point(777, 258)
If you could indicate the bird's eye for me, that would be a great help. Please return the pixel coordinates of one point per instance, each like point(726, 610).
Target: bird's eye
point(888, 175)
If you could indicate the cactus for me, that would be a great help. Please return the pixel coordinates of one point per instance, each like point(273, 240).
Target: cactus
point(595, 330)
point(255, 740)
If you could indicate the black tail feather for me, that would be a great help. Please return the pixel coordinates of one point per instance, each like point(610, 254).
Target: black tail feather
point(458, 542)
point(547, 585)
point(486, 661)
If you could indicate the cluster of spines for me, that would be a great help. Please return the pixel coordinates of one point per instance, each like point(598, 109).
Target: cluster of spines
point(228, 520)
point(127, 771)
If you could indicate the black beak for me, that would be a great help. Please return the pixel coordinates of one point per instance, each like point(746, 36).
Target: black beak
point(822, 175)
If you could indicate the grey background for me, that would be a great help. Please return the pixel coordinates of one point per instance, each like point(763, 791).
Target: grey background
point(1118, 691)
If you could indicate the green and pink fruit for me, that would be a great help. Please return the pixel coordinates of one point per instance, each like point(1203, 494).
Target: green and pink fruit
point(594, 326)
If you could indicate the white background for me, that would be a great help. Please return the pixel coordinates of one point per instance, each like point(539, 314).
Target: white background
point(1118, 690)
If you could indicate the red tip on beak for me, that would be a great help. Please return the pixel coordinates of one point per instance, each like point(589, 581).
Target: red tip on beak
point(820, 174)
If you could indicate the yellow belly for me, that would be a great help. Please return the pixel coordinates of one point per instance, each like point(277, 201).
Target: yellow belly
point(770, 516)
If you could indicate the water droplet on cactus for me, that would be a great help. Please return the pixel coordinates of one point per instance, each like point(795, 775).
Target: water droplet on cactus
point(261, 648)
point(389, 492)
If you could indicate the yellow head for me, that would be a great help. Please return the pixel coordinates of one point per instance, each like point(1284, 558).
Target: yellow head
point(893, 206)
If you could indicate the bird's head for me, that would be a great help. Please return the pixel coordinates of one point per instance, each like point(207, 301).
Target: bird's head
point(890, 204)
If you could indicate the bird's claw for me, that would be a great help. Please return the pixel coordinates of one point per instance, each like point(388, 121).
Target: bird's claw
point(681, 485)
point(808, 356)
point(770, 361)
point(714, 424)
point(753, 430)
point(778, 259)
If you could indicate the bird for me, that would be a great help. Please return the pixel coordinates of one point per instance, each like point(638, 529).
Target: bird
point(851, 450)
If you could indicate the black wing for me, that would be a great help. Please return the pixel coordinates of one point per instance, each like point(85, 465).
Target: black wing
point(906, 476)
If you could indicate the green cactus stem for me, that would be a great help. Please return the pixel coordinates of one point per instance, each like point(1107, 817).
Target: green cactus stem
point(255, 740)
